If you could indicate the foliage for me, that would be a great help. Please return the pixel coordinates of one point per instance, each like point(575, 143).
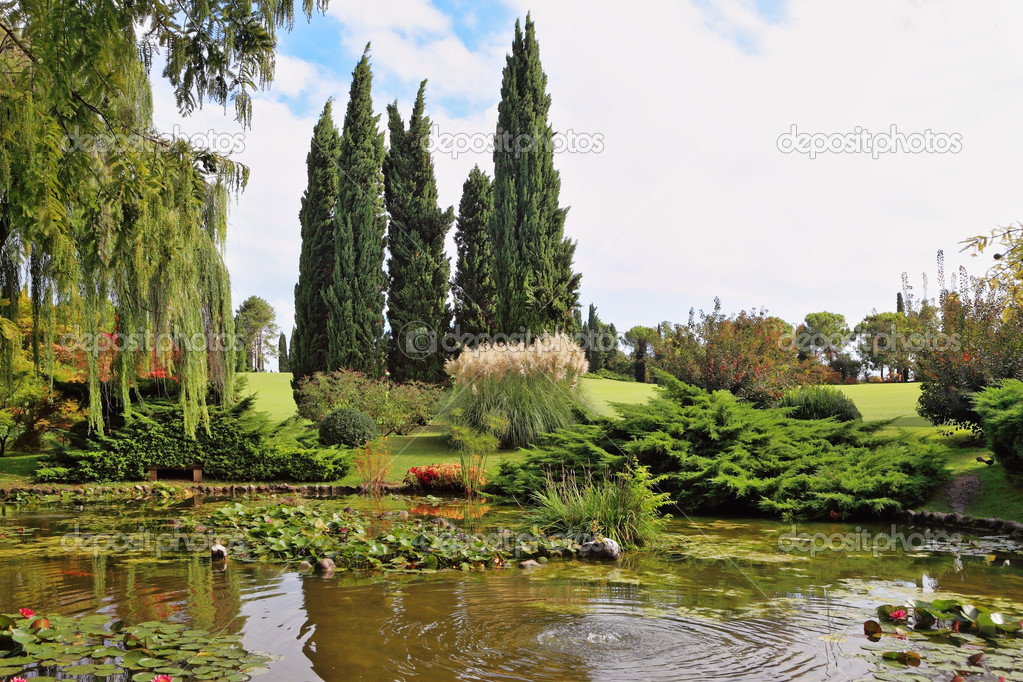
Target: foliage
point(372, 462)
point(533, 389)
point(1007, 270)
point(822, 336)
point(285, 533)
point(532, 257)
point(1001, 410)
point(396, 408)
point(309, 346)
point(446, 477)
point(979, 342)
point(257, 330)
point(577, 450)
point(236, 447)
point(39, 645)
point(721, 455)
point(474, 290)
point(97, 206)
point(643, 341)
point(417, 269)
point(744, 354)
point(355, 296)
point(623, 507)
point(601, 341)
point(820, 402)
point(282, 354)
point(475, 446)
point(347, 426)
point(612, 375)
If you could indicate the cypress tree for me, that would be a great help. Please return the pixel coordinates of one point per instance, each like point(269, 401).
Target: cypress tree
point(475, 291)
point(355, 297)
point(309, 346)
point(282, 354)
point(533, 259)
point(418, 272)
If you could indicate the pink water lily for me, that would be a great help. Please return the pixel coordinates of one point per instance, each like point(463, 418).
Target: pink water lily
point(899, 614)
point(18, 679)
point(163, 678)
point(26, 613)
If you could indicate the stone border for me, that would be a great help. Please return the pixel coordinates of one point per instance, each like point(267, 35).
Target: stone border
point(135, 489)
point(960, 522)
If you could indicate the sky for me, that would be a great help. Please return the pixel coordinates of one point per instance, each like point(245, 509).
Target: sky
point(690, 131)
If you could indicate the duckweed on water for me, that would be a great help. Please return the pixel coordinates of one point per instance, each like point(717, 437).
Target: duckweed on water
point(299, 533)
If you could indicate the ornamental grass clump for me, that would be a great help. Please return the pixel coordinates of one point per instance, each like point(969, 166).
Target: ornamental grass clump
point(534, 388)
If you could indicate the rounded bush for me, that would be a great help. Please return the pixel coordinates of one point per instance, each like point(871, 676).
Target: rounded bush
point(347, 426)
point(820, 402)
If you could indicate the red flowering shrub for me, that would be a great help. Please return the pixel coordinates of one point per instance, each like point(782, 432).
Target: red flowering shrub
point(441, 477)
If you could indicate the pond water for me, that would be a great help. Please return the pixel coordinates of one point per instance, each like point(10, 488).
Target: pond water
point(735, 599)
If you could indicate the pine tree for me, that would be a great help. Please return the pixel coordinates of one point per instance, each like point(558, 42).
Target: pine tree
point(533, 259)
point(309, 347)
point(475, 291)
point(355, 297)
point(283, 361)
point(418, 271)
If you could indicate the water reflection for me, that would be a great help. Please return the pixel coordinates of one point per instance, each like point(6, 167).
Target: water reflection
point(726, 605)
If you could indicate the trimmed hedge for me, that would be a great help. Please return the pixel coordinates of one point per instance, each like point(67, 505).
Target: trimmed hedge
point(347, 426)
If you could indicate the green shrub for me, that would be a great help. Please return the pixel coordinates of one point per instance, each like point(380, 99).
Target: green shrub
point(396, 408)
point(723, 456)
point(236, 447)
point(347, 426)
point(820, 402)
point(623, 507)
point(52, 475)
point(309, 465)
point(532, 389)
point(573, 451)
point(530, 406)
point(1001, 411)
point(613, 375)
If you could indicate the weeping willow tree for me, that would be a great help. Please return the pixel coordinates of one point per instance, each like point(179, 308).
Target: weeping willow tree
point(105, 217)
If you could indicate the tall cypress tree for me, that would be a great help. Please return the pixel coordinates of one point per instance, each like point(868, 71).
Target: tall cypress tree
point(533, 259)
point(355, 297)
point(309, 346)
point(418, 271)
point(474, 289)
point(282, 354)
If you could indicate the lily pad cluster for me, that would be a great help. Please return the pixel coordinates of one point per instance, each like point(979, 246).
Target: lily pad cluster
point(56, 647)
point(959, 639)
point(351, 540)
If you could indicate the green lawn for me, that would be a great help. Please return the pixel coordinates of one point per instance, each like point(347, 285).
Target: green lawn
point(273, 393)
point(15, 469)
point(997, 497)
point(601, 393)
point(429, 444)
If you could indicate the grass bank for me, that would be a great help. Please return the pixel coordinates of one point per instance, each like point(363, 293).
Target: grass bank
point(977, 490)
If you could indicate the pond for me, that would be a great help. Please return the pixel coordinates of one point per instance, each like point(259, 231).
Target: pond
point(731, 599)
